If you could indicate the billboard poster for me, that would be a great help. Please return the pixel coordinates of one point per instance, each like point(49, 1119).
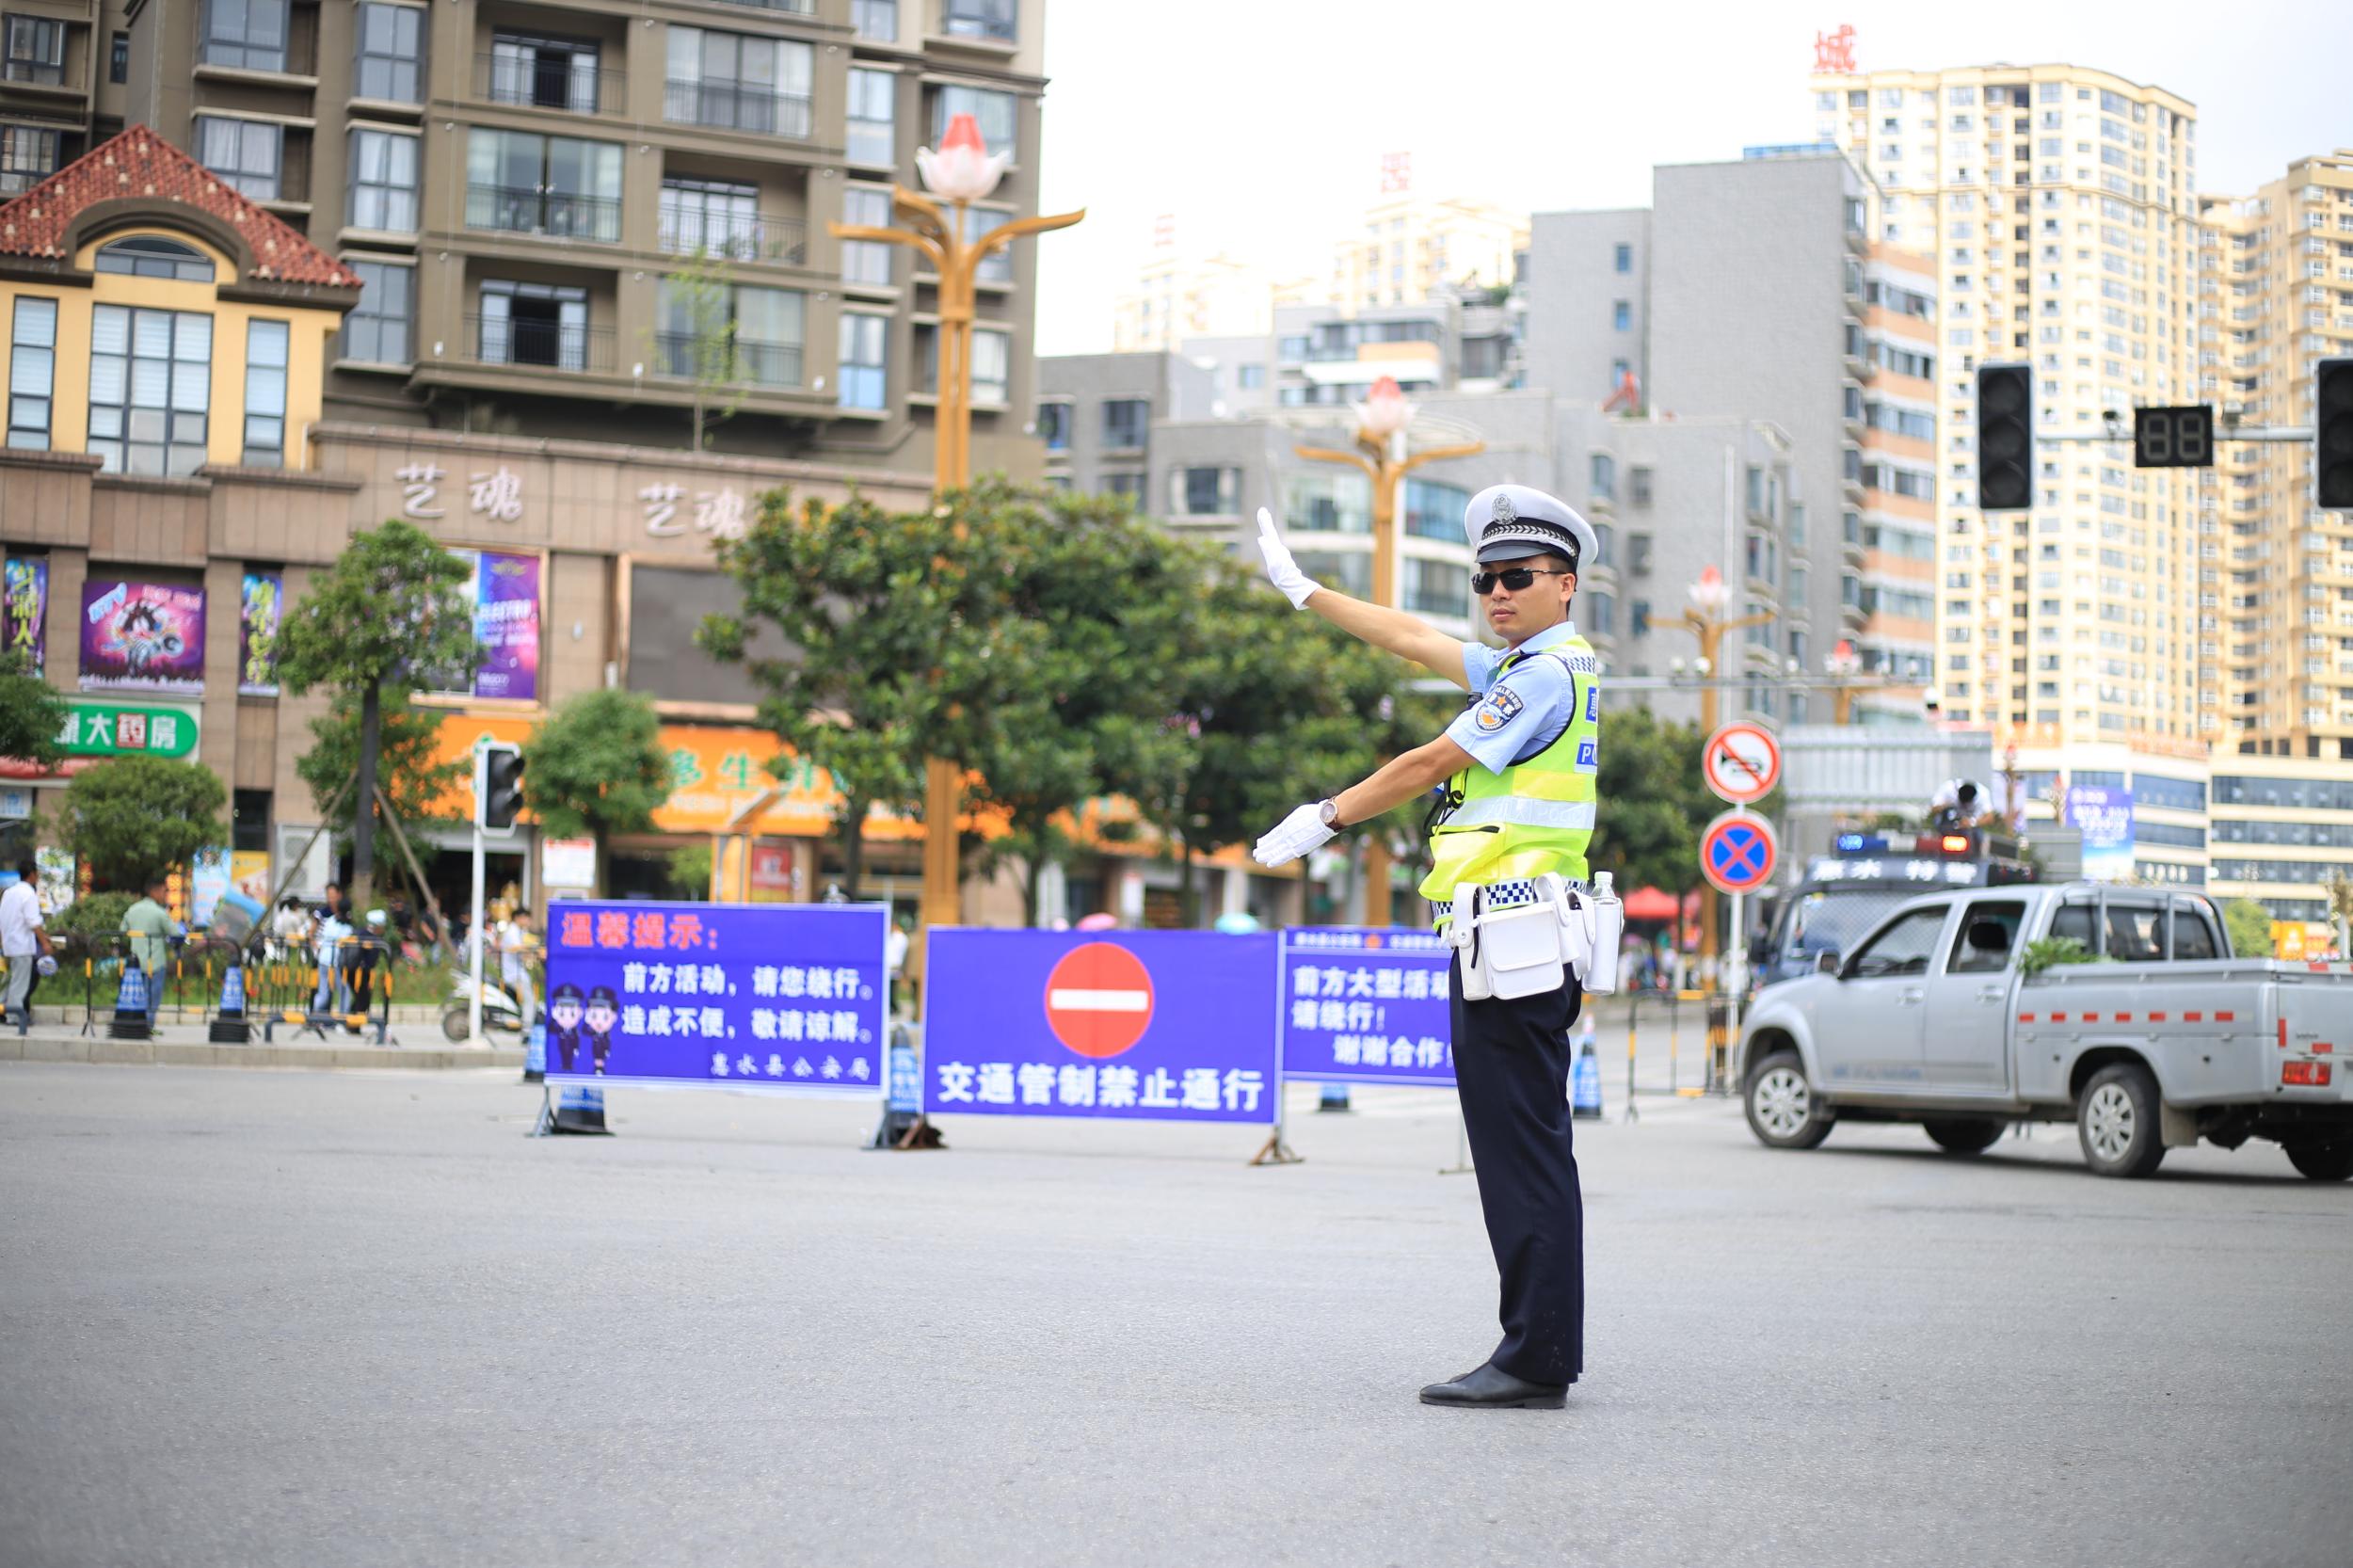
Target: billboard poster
point(259, 612)
point(504, 592)
point(24, 615)
point(785, 998)
point(142, 638)
point(1363, 1005)
point(1116, 1026)
point(2104, 812)
point(208, 880)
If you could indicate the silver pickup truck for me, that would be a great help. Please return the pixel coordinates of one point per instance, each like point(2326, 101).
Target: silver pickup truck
point(2166, 1039)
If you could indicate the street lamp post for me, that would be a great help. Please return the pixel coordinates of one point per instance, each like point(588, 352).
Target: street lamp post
point(1842, 663)
point(963, 171)
point(1710, 597)
point(1379, 451)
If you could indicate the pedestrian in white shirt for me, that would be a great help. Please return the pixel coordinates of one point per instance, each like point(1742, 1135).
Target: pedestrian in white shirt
point(23, 942)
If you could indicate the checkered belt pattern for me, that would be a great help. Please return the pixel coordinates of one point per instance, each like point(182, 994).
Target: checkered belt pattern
point(1511, 895)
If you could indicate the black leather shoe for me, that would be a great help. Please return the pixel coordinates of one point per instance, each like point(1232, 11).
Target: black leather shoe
point(1493, 1388)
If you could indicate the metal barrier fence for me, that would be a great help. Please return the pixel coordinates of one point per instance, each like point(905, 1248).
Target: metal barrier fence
point(284, 987)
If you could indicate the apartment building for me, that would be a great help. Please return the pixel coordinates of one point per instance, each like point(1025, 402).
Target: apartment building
point(2275, 294)
point(2060, 205)
point(1408, 245)
point(1178, 296)
point(521, 186)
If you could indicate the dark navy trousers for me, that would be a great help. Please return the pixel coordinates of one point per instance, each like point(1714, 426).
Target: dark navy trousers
point(1511, 1065)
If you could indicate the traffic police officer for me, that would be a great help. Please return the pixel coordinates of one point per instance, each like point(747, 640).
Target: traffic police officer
point(1513, 777)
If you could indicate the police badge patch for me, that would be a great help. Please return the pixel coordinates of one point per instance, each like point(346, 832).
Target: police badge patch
point(1499, 707)
point(1505, 511)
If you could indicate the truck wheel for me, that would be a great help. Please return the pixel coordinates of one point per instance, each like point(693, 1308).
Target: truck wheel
point(1964, 1134)
point(1783, 1112)
point(2116, 1121)
point(454, 1023)
point(2330, 1161)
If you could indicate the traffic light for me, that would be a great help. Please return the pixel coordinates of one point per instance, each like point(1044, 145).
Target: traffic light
point(2332, 433)
point(2005, 438)
point(499, 800)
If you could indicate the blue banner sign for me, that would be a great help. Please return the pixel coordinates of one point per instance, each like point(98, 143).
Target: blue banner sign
point(1132, 1025)
point(1365, 1005)
point(775, 997)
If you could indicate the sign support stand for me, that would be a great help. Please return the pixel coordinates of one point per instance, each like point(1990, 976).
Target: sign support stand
point(1274, 1151)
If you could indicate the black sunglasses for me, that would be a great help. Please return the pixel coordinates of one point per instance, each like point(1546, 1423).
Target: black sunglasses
point(1514, 578)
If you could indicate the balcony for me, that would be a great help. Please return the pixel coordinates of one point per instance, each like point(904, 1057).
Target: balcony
point(758, 365)
point(559, 82)
point(559, 215)
point(539, 344)
point(734, 237)
point(733, 105)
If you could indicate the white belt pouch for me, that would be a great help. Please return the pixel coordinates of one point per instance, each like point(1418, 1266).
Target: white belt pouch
point(1522, 950)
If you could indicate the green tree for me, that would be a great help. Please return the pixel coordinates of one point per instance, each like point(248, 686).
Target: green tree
point(597, 767)
point(387, 613)
point(2250, 928)
point(699, 340)
point(688, 870)
point(1653, 803)
point(870, 635)
point(31, 715)
point(132, 818)
point(2338, 889)
point(421, 785)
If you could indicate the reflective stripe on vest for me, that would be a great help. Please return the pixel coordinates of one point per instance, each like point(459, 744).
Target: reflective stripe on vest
point(1535, 816)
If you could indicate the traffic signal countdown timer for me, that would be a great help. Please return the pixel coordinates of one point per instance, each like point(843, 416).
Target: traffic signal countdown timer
point(2173, 437)
point(2332, 433)
point(2005, 438)
point(499, 788)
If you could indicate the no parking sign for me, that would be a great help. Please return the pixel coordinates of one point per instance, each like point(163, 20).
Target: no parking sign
point(1737, 852)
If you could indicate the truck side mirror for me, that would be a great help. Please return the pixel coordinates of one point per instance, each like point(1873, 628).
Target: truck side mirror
point(1826, 963)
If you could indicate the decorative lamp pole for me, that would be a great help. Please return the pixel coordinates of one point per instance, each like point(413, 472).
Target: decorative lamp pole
point(1381, 422)
point(1842, 663)
point(963, 171)
point(1710, 597)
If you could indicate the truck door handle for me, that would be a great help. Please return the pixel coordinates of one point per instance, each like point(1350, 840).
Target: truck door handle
point(1912, 994)
point(1991, 998)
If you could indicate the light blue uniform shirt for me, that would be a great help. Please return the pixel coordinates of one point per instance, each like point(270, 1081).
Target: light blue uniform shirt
point(1511, 719)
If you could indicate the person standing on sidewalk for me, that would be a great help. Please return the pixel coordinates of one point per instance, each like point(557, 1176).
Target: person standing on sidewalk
point(23, 942)
point(515, 947)
point(148, 924)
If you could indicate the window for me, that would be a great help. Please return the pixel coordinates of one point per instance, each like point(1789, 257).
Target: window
point(2135, 934)
point(2193, 938)
point(1904, 948)
point(1623, 260)
point(1249, 377)
point(865, 362)
point(998, 266)
point(1638, 486)
point(1436, 588)
point(248, 35)
point(738, 82)
point(376, 330)
point(391, 60)
point(36, 50)
point(1638, 618)
point(1124, 423)
point(1986, 935)
point(877, 20)
point(1053, 425)
point(533, 323)
point(119, 59)
point(1205, 492)
point(717, 217)
point(265, 344)
point(873, 136)
point(383, 181)
point(1328, 504)
point(244, 153)
point(1618, 371)
point(991, 19)
point(29, 155)
point(32, 367)
point(544, 73)
point(1434, 511)
point(1605, 477)
point(1129, 486)
point(992, 360)
point(151, 256)
point(866, 262)
point(764, 327)
point(151, 375)
point(994, 110)
point(536, 184)
point(1621, 316)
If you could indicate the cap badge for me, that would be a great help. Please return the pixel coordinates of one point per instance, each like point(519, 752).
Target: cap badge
point(1504, 510)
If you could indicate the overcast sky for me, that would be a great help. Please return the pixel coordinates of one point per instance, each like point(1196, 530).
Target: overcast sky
point(1260, 125)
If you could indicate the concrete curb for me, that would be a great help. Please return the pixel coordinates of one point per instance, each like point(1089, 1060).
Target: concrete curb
point(41, 1047)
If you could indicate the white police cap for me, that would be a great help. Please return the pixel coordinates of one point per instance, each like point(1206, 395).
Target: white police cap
point(1506, 522)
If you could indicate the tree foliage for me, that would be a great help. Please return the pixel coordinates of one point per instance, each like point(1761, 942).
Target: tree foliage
point(410, 768)
point(2250, 928)
point(388, 610)
point(1653, 802)
point(700, 341)
point(31, 716)
point(597, 768)
point(132, 818)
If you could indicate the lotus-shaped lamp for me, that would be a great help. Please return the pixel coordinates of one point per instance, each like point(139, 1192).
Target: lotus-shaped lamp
point(1711, 593)
point(963, 170)
point(1384, 411)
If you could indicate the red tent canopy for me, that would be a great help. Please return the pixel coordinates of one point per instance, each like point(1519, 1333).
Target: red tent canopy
point(1650, 903)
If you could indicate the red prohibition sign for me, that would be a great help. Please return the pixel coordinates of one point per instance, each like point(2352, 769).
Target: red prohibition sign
point(1737, 852)
point(1098, 999)
point(1743, 762)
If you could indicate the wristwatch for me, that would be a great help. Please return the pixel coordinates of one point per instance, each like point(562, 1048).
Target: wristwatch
point(1329, 812)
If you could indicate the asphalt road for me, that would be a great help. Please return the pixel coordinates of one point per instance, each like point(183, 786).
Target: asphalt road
point(317, 1318)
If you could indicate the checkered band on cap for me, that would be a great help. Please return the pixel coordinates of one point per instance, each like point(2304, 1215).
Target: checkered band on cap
point(1536, 532)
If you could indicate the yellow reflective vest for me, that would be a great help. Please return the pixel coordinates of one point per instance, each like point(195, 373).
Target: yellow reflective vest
point(1536, 815)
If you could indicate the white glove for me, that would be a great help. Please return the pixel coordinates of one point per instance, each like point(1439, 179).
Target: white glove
point(1281, 571)
point(1303, 830)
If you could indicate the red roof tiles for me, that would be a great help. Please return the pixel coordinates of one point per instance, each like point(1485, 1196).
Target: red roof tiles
point(140, 163)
